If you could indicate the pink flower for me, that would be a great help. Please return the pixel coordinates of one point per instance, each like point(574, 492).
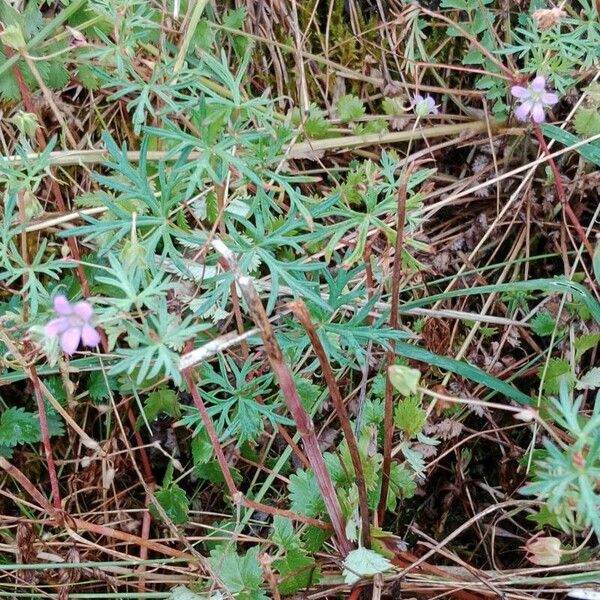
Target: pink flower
point(425, 106)
point(534, 99)
point(73, 325)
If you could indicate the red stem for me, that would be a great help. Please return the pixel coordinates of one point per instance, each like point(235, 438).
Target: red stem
point(299, 309)
point(560, 190)
point(46, 439)
point(388, 419)
point(283, 375)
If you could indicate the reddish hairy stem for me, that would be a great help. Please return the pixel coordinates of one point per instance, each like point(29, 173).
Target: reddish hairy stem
point(235, 494)
point(283, 375)
point(388, 419)
point(560, 190)
point(46, 439)
point(212, 433)
point(299, 309)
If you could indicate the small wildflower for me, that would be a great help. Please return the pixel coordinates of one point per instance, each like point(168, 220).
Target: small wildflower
point(425, 106)
point(543, 551)
point(73, 325)
point(546, 18)
point(534, 99)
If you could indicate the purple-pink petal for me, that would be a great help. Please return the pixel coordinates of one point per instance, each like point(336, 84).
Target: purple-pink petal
point(83, 310)
point(518, 91)
point(522, 111)
point(539, 84)
point(418, 98)
point(550, 98)
point(56, 326)
point(62, 306)
point(537, 112)
point(69, 340)
point(89, 336)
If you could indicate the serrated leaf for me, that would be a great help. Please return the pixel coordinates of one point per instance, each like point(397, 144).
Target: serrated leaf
point(88, 78)
point(305, 496)
point(393, 106)
point(402, 485)
point(162, 400)
point(543, 324)
point(296, 571)
point(202, 448)
point(181, 592)
point(585, 343)
point(557, 370)
point(314, 538)
point(543, 518)
point(590, 381)
point(241, 575)
point(234, 19)
point(364, 563)
point(283, 533)
point(19, 427)
point(308, 391)
point(56, 387)
point(204, 36)
point(175, 503)
point(97, 388)
point(409, 416)
point(587, 121)
point(349, 108)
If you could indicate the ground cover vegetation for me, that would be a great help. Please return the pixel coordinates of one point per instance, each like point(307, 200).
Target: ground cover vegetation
point(299, 299)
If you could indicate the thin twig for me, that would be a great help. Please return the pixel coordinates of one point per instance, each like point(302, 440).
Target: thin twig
point(394, 319)
point(560, 190)
point(283, 375)
point(299, 309)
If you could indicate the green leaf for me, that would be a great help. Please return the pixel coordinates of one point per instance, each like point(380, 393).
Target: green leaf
point(19, 427)
point(12, 36)
point(364, 563)
point(234, 19)
point(305, 495)
point(402, 485)
point(314, 538)
point(409, 416)
point(180, 592)
point(241, 575)
point(585, 343)
point(308, 391)
point(587, 121)
point(87, 77)
point(283, 533)
point(349, 108)
point(543, 324)
point(97, 387)
point(590, 381)
point(463, 369)
point(175, 503)
point(590, 152)
point(404, 379)
point(556, 371)
point(544, 517)
point(162, 400)
point(596, 263)
point(458, 4)
point(56, 387)
point(296, 571)
point(393, 106)
point(202, 448)
point(204, 36)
